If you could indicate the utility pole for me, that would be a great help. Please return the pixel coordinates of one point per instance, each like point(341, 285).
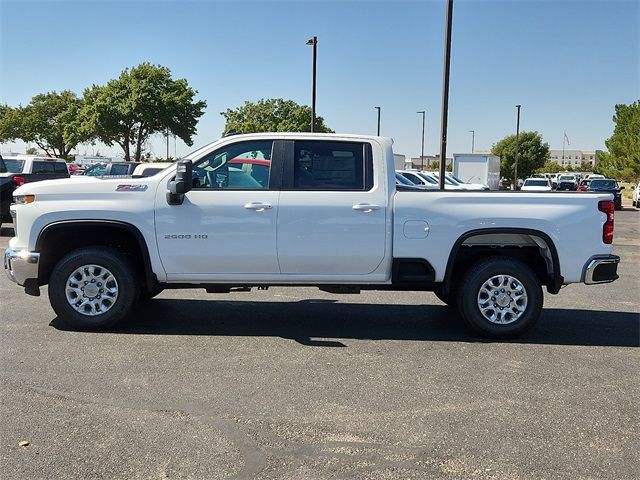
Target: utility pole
point(167, 144)
point(448, 19)
point(314, 42)
point(378, 108)
point(473, 140)
point(515, 163)
point(424, 114)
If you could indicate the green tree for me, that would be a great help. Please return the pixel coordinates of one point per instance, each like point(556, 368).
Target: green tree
point(550, 167)
point(49, 121)
point(139, 103)
point(272, 115)
point(532, 154)
point(623, 158)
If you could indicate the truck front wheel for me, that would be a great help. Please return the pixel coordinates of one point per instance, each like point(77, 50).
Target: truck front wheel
point(500, 297)
point(92, 287)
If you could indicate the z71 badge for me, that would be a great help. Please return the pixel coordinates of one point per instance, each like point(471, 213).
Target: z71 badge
point(131, 188)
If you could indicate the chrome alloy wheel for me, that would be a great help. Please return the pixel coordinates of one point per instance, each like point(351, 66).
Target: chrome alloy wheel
point(91, 290)
point(502, 299)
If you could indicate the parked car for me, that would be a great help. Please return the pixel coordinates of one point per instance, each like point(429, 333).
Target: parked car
point(424, 180)
point(635, 196)
point(608, 185)
point(453, 180)
point(150, 168)
point(536, 185)
point(583, 185)
point(113, 169)
point(567, 182)
point(16, 170)
point(329, 216)
point(403, 183)
point(429, 180)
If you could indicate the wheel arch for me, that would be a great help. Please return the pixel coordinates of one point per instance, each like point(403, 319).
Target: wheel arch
point(65, 234)
point(493, 238)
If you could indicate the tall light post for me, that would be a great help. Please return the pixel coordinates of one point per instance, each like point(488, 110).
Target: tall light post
point(448, 20)
point(515, 162)
point(424, 114)
point(313, 41)
point(378, 108)
point(473, 139)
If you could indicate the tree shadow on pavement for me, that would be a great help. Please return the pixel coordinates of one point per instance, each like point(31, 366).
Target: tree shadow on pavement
point(323, 322)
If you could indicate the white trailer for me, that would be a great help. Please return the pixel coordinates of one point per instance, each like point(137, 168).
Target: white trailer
point(477, 168)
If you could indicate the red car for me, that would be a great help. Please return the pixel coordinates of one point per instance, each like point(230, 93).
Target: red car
point(584, 185)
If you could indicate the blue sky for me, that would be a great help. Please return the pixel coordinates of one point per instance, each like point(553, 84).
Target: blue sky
point(567, 62)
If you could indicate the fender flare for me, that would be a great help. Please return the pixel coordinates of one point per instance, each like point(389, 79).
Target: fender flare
point(556, 278)
point(150, 277)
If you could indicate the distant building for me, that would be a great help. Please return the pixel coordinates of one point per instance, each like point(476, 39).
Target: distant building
point(430, 162)
point(574, 158)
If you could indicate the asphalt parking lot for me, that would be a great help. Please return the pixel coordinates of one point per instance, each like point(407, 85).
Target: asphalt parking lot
point(300, 384)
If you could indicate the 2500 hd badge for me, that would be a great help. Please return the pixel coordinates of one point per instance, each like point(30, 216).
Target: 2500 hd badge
point(184, 237)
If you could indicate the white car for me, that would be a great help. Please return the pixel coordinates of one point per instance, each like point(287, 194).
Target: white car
point(429, 180)
point(536, 185)
point(635, 196)
point(151, 168)
point(452, 179)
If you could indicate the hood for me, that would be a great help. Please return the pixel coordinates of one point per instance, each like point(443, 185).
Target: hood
point(86, 187)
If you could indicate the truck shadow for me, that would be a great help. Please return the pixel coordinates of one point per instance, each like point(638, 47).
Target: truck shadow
point(325, 323)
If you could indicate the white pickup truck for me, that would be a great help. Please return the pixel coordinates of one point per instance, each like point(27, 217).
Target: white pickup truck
point(291, 209)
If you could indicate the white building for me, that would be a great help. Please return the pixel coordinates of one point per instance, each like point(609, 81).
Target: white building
point(573, 158)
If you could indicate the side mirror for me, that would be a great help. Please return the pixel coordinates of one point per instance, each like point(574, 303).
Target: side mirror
point(181, 184)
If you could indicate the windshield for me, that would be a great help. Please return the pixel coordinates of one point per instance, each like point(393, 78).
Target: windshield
point(603, 184)
point(403, 180)
point(428, 178)
point(567, 178)
point(453, 177)
point(13, 166)
point(536, 183)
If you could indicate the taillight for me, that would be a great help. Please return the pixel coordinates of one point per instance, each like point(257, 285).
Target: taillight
point(608, 207)
point(18, 180)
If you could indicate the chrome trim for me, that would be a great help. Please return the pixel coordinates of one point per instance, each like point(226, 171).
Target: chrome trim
point(593, 263)
point(21, 265)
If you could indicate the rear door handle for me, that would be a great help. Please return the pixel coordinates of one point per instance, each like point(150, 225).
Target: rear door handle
point(258, 206)
point(366, 207)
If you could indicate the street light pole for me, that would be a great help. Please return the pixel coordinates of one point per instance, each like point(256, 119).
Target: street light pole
point(473, 140)
point(378, 108)
point(448, 19)
point(313, 41)
point(515, 163)
point(424, 113)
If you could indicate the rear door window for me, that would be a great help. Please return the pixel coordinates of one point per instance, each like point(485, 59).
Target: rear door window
point(326, 165)
point(119, 169)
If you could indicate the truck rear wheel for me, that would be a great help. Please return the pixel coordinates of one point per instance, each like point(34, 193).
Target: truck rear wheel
point(500, 297)
point(92, 288)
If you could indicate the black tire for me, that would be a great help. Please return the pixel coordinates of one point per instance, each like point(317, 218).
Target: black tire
point(106, 258)
point(449, 299)
point(469, 298)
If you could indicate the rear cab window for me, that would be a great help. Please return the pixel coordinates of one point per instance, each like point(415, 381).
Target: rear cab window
point(42, 167)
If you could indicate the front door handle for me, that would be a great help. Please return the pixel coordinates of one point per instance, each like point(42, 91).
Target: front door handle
point(366, 207)
point(258, 206)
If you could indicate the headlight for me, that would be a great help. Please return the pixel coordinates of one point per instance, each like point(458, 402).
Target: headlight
point(24, 199)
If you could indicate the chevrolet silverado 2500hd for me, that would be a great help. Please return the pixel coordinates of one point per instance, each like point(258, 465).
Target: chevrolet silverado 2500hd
point(303, 209)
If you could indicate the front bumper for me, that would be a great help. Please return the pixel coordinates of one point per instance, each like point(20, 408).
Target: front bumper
point(601, 269)
point(21, 266)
